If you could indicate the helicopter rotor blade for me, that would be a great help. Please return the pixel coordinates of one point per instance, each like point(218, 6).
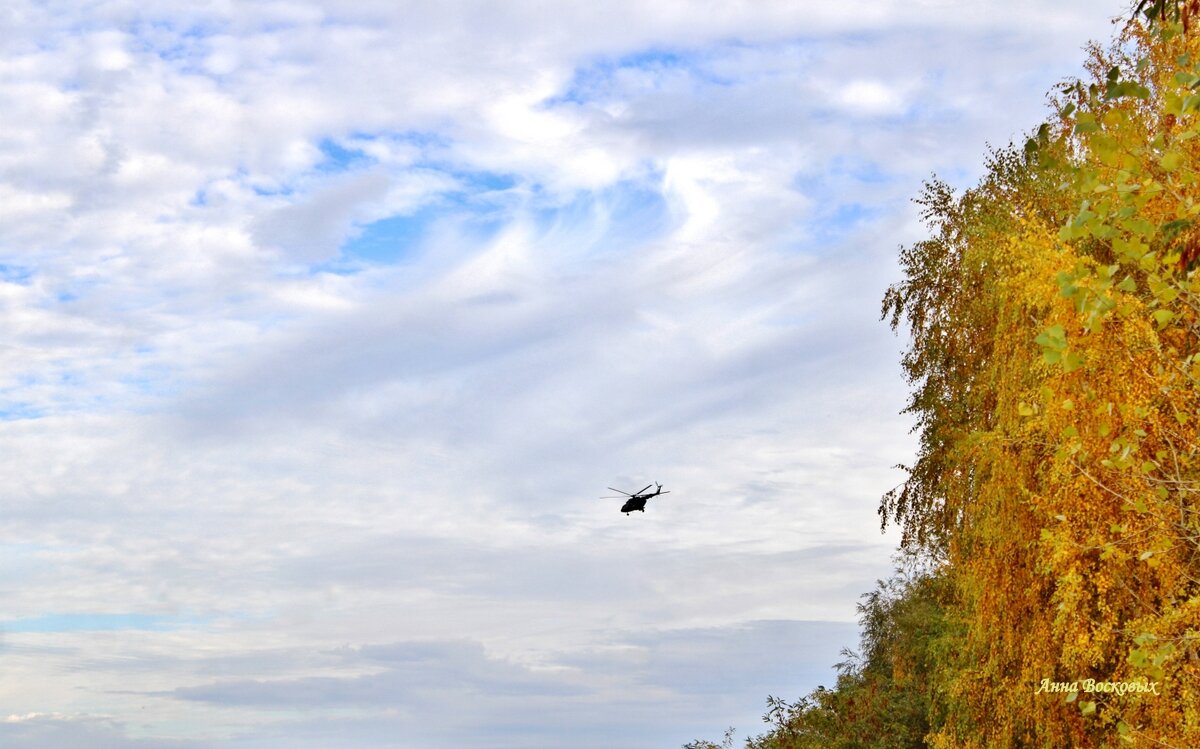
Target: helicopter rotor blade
point(627, 494)
point(644, 488)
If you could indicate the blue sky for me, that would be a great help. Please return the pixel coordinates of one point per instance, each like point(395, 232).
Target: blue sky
point(328, 323)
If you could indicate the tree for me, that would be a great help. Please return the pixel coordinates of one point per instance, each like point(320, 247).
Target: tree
point(884, 697)
point(1055, 359)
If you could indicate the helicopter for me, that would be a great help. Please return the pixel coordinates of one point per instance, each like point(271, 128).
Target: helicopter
point(637, 500)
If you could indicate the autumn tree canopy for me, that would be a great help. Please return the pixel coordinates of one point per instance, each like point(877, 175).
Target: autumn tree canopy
point(1054, 359)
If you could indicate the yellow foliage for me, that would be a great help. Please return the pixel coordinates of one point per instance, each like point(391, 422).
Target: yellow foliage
point(1056, 353)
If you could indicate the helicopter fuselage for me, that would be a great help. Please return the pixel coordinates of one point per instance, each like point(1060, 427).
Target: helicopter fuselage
point(637, 503)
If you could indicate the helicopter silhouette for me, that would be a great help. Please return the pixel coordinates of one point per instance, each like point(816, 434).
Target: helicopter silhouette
point(637, 500)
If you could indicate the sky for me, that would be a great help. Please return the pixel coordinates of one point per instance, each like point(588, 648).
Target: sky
point(324, 326)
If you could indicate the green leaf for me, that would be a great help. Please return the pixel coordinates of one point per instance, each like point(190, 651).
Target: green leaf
point(1172, 229)
point(1163, 316)
point(1069, 232)
point(1162, 291)
point(1053, 337)
point(1085, 122)
point(1143, 228)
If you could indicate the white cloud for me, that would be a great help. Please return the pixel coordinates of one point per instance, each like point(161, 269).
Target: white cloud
point(871, 97)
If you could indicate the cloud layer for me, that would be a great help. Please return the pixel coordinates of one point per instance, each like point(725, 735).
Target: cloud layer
point(327, 324)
